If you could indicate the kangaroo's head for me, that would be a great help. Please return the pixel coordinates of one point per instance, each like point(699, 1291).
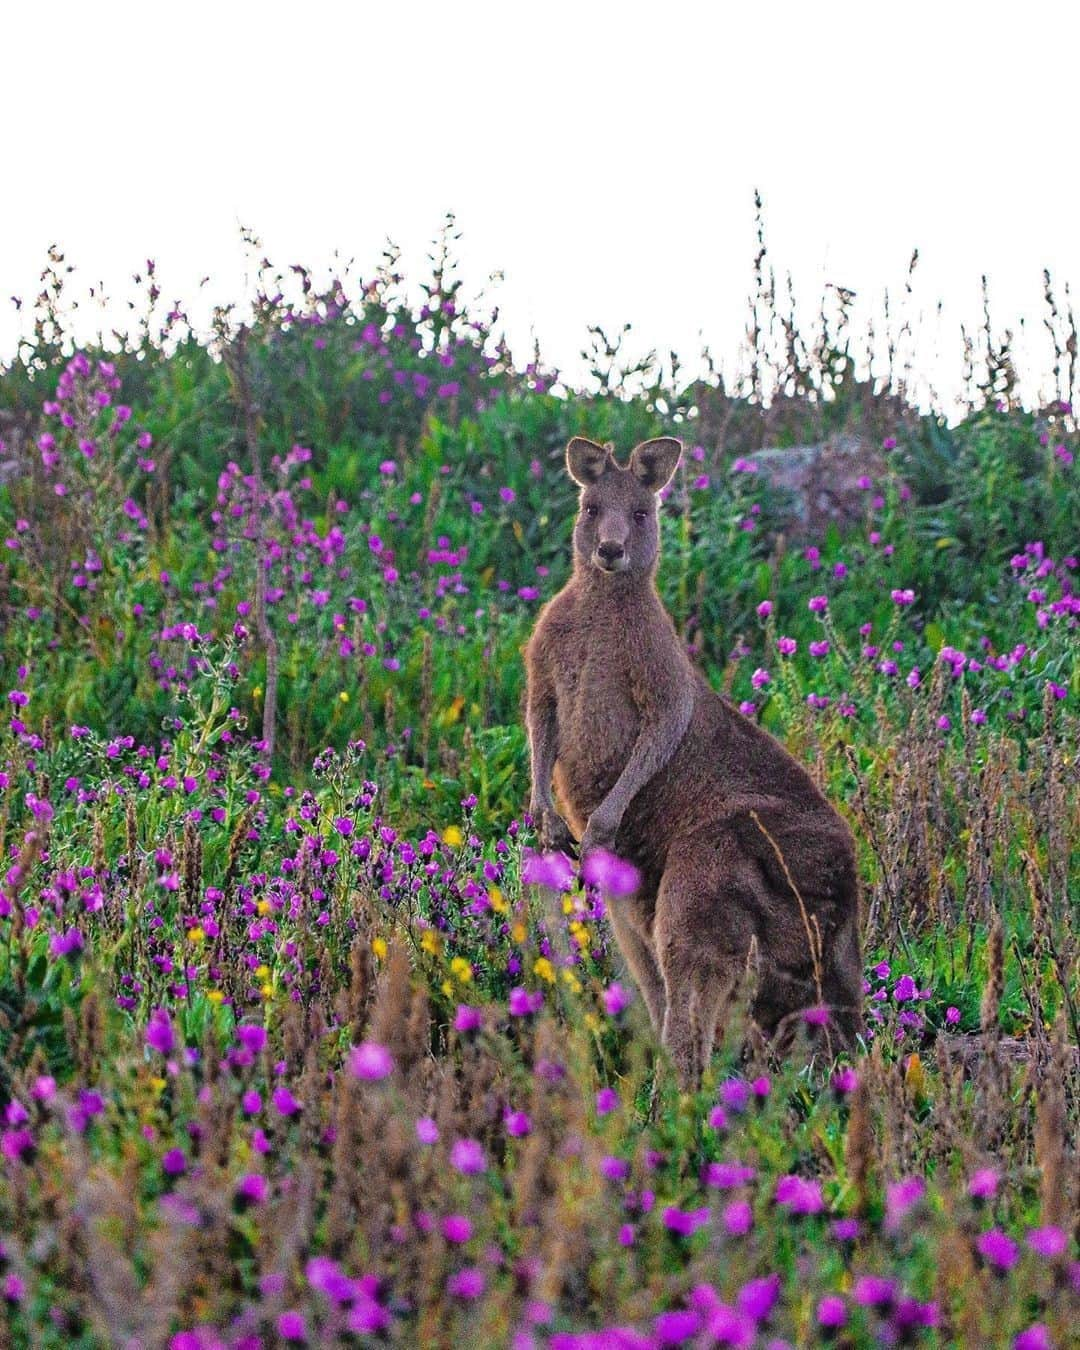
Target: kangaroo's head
point(617, 530)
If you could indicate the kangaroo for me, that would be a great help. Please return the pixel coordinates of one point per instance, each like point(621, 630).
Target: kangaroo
point(735, 845)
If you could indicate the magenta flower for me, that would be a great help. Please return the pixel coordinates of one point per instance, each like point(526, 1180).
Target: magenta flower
point(427, 1131)
point(616, 999)
point(292, 1327)
point(548, 869)
point(873, 1291)
point(676, 1327)
point(607, 1100)
point(517, 1124)
point(1036, 1337)
point(174, 1164)
point(758, 1298)
point(737, 1218)
point(764, 609)
point(370, 1061)
point(997, 1249)
point(467, 1156)
point(1048, 1242)
point(467, 1284)
point(983, 1184)
point(159, 1032)
point(456, 1228)
point(285, 1102)
point(683, 1222)
point(817, 604)
point(468, 1018)
point(800, 1195)
point(831, 1312)
point(252, 1189)
point(614, 876)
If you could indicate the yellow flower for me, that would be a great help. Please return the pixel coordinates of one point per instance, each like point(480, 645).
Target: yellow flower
point(195, 934)
point(158, 1084)
point(267, 990)
point(263, 906)
point(544, 969)
point(496, 901)
point(571, 980)
point(261, 972)
point(593, 1022)
point(216, 996)
point(344, 696)
point(257, 691)
point(431, 942)
point(378, 946)
point(447, 988)
point(461, 968)
point(567, 905)
point(453, 836)
point(518, 932)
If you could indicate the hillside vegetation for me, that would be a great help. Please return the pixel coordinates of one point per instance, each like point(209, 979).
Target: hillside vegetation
point(295, 1047)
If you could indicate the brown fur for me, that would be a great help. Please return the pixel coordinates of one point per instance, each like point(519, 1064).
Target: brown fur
point(732, 839)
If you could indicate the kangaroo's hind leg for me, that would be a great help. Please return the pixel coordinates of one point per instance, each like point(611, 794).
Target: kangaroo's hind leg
point(703, 931)
point(640, 956)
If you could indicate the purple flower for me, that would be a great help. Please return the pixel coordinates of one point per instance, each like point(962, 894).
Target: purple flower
point(252, 1189)
point(800, 1195)
point(757, 1298)
point(523, 1004)
point(616, 999)
point(548, 869)
point(900, 1197)
point(174, 1164)
point(735, 1094)
point(1036, 1337)
point(764, 609)
point(873, 1291)
point(607, 1100)
point(998, 1249)
point(614, 876)
point(370, 1061)
point(614, 1169)
point(159, 1032)
point(285, 1102)
point(292, 1327)
point(726, 1175)
point(456, 1228)
point(427, 1131)
point(817, 604)
point(467, 1156)
point(251, 1037)
point(737, 1218)
point(983, 1184)
point(517, 1124)
point(905, 989)
point(1049, 1242)
point(676, 1327)
point(468, 1019)
point(831, 1312)
point(466, 1284)
point(684, 1222)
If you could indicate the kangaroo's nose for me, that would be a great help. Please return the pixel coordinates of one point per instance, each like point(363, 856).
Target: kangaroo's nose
point(609, 550)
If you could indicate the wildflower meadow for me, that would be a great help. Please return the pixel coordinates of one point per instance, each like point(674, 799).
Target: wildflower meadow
point(303, 1043)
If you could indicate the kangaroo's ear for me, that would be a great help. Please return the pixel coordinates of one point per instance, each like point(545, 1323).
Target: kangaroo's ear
point(653, 462)
point(586, 461)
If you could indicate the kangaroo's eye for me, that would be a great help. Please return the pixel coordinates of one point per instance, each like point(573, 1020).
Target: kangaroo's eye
point(641, 517)
point(590, 510)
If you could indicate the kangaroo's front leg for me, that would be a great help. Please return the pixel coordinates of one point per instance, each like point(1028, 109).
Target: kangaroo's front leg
point(665, 717)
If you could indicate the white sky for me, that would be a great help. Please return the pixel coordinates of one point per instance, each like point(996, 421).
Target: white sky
point(603, 156)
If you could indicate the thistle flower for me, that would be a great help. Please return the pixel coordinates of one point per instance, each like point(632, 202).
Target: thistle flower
point(370, 1061)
